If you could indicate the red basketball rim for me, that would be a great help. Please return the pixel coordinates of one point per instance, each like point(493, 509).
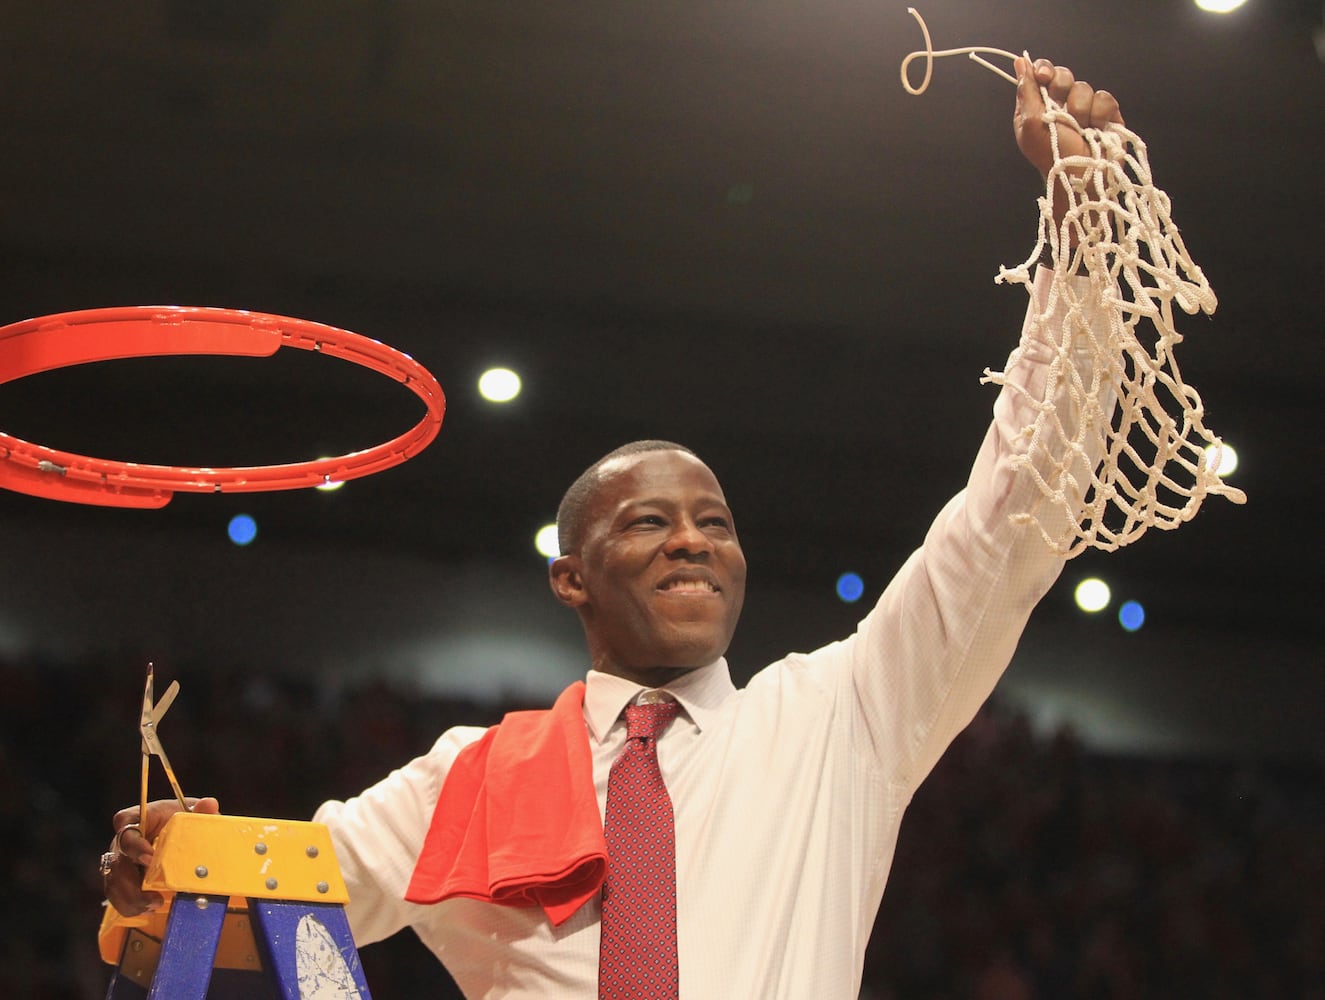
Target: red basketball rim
point(57, 341)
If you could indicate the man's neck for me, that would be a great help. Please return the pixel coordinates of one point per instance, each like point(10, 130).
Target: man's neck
point(649, 677)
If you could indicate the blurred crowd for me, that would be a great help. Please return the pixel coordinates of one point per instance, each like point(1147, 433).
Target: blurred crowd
point(1028, 868)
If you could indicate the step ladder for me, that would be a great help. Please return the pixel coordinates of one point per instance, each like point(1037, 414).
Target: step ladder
point(255, 909)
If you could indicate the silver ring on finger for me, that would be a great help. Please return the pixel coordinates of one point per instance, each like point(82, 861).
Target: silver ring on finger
point(118, 846)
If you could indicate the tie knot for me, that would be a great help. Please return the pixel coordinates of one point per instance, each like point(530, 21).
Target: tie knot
point(647, 721)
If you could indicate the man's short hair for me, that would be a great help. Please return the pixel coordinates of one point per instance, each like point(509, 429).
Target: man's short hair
point(573, 513)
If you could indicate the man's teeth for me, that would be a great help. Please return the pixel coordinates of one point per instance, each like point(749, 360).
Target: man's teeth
point(691, 587)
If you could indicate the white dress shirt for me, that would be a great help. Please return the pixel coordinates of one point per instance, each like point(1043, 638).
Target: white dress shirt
point(788, 793)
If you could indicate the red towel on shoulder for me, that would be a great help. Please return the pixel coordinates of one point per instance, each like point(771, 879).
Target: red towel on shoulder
point(517, 820)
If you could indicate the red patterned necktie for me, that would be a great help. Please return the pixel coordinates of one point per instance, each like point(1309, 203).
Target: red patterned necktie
point(637, 957)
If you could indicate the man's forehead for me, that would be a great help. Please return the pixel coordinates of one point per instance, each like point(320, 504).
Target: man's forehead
point(639, 476)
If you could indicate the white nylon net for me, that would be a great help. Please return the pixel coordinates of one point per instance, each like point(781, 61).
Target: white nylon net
point(1159, 461)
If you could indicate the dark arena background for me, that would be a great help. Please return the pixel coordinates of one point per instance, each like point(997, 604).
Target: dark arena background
point(720, 223)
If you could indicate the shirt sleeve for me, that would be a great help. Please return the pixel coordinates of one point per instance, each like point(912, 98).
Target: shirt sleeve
point(928, 655)
point(378, 834)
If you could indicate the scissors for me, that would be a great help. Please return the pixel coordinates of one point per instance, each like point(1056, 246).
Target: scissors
point(148, 721)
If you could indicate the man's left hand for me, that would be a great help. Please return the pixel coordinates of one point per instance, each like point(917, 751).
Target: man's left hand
point(1090, 107)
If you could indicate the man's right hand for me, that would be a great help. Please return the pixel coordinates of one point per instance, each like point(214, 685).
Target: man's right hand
point(132, 852)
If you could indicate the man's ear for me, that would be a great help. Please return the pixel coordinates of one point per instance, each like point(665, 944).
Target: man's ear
point(567, 583)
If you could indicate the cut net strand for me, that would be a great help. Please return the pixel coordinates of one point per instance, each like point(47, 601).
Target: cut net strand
point(1159, 461)
point(973, 52)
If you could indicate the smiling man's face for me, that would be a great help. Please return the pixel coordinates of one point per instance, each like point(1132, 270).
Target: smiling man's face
point(659, 579)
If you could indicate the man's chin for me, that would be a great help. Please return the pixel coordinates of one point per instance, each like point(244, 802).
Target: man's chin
point(674, 660)
point(692, 657)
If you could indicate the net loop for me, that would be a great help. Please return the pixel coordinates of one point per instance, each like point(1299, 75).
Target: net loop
point(973, 52)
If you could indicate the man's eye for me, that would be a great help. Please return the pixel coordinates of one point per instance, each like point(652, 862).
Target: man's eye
point(716, 522)
point(653, 520)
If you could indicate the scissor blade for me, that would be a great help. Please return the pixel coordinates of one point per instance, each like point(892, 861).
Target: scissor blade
point(159, 710)
point(145, 723)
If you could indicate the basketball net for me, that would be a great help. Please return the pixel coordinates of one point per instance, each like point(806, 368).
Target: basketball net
point(1112, 334)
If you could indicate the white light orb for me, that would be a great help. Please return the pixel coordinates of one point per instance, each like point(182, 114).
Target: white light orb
point(1092, 595)
point(1219, 6)
point(499, 385)
point(546, 541)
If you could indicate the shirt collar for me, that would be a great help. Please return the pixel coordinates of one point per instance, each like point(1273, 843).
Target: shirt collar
point(700, 693)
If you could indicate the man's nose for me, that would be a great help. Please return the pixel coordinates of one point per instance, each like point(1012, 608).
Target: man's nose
point(687, 538)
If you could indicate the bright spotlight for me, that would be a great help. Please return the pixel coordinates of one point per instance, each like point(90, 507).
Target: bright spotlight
point(546, 541)
point(1092, 595)
point(1219, 6)
point(499, 385)
point(1228, 459)
point(329, 485)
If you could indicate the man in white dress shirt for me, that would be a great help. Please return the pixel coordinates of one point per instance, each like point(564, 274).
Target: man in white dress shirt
point(787, 794)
